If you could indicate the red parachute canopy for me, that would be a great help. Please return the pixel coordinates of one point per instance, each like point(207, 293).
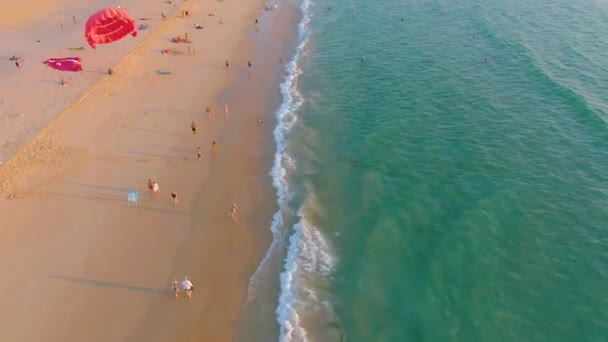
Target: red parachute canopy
point(108, 25)
point(65, 63)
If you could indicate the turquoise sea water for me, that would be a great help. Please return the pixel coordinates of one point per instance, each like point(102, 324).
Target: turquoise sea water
point(443, 170)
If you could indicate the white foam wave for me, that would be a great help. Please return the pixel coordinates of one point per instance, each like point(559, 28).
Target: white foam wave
point(287, 317)
point(286, 118)
point(308, 253)
point(309, 257)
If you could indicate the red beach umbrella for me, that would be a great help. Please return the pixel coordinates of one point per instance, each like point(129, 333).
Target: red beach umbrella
point(109, 25)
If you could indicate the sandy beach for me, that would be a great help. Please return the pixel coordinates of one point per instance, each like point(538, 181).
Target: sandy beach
point(78, 261)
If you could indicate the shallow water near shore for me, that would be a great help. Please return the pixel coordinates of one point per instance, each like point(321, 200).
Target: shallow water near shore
point(441, 172)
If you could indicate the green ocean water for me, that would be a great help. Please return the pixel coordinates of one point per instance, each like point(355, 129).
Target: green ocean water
point(453, 157)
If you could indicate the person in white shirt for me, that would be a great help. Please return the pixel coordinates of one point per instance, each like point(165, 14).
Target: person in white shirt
point(187, 286)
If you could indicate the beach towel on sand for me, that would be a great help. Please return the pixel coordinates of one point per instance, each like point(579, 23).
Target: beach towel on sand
point(65, 63)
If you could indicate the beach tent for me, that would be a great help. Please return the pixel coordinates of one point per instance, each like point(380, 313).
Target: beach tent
point(65, 63)
point(109, 25)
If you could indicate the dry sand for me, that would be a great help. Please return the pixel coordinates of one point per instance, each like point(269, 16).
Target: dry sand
point(78, 263)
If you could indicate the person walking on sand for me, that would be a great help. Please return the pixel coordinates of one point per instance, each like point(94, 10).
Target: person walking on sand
point(198, 152)
point(227, 64)
point(155, 188)
point(233, 212)
point(214, 146)
point(150, 184)
point(249, 64)
point(193, 126)
point(18, 65)
point(174, 196)
point(226, 110)
point(175, 287)
point(187, 286)
point(208, 111)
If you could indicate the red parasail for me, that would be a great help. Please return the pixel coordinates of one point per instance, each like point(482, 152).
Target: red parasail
point(64, 64)
point(108, 25)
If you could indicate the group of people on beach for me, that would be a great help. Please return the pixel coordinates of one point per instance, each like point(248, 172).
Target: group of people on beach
point(186, 285)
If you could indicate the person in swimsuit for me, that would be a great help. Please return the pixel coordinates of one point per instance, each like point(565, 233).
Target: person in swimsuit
point(150, 183)
point(198, 152)
point(233, 212)
point(155, 188)
point(174, 196)
point(226, 110)
point(227, 64)
point(193, 126)
point(208, 111)
point(214, 146)
point(249, 64)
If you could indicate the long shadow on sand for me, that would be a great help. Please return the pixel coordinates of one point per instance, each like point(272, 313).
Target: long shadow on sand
point(96, 186)
point(171, 111)
point(109, 284)
point(151, 130)
point(158, 155)
point(123, 199)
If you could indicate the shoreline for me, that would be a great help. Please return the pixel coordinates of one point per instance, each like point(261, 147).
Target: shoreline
point(108, 266)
